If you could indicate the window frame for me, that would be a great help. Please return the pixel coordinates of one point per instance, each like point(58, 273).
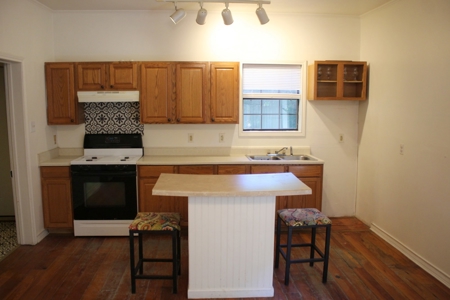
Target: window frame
point(301, 108)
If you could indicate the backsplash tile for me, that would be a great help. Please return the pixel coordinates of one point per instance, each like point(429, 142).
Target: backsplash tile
point(112, 117)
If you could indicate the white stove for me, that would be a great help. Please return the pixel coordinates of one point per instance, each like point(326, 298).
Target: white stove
point(104, 184)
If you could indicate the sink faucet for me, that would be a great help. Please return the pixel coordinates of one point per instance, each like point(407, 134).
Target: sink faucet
point(283, 150)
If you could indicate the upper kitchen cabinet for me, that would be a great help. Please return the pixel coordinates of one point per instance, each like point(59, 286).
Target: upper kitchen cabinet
point(192, 92)
point(93, 76)
point(62, 105)
point(157, 95)
point(189, 92)
point(337, 80)
point(224, 92)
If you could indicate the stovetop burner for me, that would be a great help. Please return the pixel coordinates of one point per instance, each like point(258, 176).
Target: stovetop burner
point(108, 149)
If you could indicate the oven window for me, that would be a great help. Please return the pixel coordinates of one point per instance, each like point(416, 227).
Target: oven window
point(104, 194)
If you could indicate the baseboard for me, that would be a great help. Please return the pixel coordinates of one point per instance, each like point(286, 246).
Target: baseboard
point(417, 259)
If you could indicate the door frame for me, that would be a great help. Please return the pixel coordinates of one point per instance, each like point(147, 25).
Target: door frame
point(19, 149)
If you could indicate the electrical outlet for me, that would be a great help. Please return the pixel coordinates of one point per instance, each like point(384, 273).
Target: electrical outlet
point(341, 138)
point(221, 137)
point(402, 148)
point(190, 137)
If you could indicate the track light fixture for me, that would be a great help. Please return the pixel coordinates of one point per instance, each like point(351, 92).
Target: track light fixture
point(179, 14)
point(226, 15)
point(201, 15)
point(262, 15)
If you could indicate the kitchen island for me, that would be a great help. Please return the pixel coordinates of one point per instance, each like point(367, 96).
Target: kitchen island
point(231, 230)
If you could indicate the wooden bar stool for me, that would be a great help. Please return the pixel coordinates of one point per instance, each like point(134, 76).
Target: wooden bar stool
point(302, 218)
point(162, 223)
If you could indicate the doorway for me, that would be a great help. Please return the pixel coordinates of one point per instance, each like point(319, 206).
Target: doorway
point(6, 195)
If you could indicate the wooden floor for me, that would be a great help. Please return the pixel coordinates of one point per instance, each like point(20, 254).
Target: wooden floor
point(362, 266)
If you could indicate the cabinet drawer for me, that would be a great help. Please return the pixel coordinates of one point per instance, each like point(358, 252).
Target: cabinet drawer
point(55, 172)
point(306, 171)
point(208, 169)
point(154, 171)
point(267, 169)
point(231, 169)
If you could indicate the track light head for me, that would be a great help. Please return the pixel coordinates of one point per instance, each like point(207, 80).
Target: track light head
point(262, 15)
point(178, 15)
point(201, 15)
point(226, 15)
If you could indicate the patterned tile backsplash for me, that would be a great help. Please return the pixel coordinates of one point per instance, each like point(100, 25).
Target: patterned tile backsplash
point(112, 117)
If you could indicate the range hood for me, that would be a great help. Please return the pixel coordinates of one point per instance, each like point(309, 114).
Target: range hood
point(108, 96)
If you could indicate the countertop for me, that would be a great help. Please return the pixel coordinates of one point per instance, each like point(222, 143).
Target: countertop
point(189, 160)
point(246, 185)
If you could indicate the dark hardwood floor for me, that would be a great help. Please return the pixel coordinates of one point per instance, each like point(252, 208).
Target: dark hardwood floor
point(362, 266)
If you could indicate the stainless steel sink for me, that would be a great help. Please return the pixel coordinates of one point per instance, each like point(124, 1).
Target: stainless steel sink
point(263, 157)
point(280, 157)
point(296, 157)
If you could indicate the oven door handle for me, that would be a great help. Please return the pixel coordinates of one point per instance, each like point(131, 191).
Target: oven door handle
point(118, 174)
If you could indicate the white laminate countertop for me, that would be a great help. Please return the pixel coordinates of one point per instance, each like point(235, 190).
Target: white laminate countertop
point(231, 159)
point(246, 185)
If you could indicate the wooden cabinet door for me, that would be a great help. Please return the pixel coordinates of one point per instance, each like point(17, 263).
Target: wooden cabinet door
point(91, 76)
point(123, 76)
point(224, 93)
point(148, 176)
point(307, 201)
point(157, 93)
point(192, 92)
point(62, 104)
point(56, 197)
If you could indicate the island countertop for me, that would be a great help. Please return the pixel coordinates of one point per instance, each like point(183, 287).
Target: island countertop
point(272, 184)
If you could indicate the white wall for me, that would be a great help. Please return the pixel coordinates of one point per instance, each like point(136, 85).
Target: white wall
point(407, 197)
point(26, 42)
point(103, 36)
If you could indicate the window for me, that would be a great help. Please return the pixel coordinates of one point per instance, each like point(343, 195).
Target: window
point(272, 100)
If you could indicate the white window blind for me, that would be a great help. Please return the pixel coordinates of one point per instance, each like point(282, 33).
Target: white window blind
point(277, 79)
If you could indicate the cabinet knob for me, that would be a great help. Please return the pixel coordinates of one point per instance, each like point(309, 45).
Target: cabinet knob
point(213, 119)
point(169, 119)
point(72, 120)
point(178, 120)
point(102, 86)
point(111, 86)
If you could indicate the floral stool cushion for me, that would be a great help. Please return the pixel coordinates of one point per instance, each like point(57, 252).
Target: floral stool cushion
point(303, 217)
point(156, 221)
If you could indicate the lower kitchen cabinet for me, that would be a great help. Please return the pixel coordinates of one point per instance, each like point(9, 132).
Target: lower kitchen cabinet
point(311, 175)
point(148, 175)
point(57, 197)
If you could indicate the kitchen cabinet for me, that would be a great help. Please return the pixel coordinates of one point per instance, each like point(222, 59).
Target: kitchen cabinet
point(57, 197)
point(157, 97)
point(148, 175)
point(62, 104)
point(98, 76)
point(232, 169)
point(311, 175)
point(337, 80)
point(192, 92)
point(224, 92)
point(189, 92)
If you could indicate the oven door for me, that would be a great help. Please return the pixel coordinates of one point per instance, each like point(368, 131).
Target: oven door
point(104, 194)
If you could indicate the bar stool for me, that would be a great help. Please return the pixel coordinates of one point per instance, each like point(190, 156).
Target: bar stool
point(302, 218)
point(162, 223)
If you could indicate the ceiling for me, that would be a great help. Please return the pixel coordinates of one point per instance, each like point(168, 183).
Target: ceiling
point(338, 7)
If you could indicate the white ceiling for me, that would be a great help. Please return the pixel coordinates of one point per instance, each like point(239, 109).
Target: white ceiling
point(339, 7)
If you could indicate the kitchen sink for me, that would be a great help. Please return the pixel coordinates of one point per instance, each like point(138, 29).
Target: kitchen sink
point(263, 157)
point(296, 157)
point(280, 157)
